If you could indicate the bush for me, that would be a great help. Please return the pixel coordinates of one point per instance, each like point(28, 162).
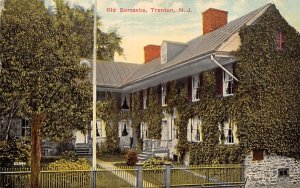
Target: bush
point(70, 155)
point(131, 157)
point(64, 146)
point(14, 151)
point(63, 164)
point(153, 163)
point(104, 148)
point(71, 179)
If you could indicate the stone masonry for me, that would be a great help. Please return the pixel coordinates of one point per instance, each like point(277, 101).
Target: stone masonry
point(265, 173)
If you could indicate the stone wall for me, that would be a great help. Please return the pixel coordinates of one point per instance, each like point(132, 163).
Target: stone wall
point(265, 173)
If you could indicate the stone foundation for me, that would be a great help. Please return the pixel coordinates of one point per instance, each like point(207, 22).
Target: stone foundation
point(265, 173)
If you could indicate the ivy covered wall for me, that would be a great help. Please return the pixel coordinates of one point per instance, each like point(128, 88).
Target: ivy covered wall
point(265, 105)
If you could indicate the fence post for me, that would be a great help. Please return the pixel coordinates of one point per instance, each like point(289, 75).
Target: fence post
point(167, 175)
point(152, 147)
point(139, 177)
point(94, 178)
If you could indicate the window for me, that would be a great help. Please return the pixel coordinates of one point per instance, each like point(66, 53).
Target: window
point(195, 88)
point(100, 129)
point(145, 98)
point(164, 94)
point(258, 155)
point(230, 139)
point(227, 82)
point(25, 127)
point(229, 132)
point(194, 134)
point(125, 129)
point(283, 172)
point(125, 102)
point(280, 40)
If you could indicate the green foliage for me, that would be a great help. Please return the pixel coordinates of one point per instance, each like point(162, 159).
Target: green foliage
point(153, 163)
point(81, 24)
point(41, 74)
point(205, 153)
point(14, 151)
point(131, 157)
point(107, 110)
point(271, 78)
point(69, 155)
point(153, 116)
point(63, 164)
point(64, 146)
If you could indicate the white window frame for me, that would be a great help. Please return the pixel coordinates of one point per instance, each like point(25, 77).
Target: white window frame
point(101, 129)
point(164, 94)
point(145, 98)
point(195, 88)
point(227, 82)
point(26, 128)
point(230, 138)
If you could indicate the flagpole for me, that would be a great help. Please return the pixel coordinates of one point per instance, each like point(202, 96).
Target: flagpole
point(94, 88)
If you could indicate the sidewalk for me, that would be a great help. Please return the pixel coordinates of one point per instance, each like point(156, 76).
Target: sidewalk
point(131, 179)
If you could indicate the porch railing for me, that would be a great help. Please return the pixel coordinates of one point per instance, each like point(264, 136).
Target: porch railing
point(154, 144)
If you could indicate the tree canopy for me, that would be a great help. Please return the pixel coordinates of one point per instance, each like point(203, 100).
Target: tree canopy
point(81, 20)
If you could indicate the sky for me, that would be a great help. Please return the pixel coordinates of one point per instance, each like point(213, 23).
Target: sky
point(139, 29)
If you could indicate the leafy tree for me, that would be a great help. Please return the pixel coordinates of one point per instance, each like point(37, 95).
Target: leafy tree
point(41, 74)
point(82, 24)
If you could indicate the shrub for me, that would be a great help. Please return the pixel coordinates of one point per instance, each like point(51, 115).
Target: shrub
point(63, 164)
point(70, 155)
point(72, 179)
point(14, 151)
point(64, 146)
point(153, 163)
point(131, 157)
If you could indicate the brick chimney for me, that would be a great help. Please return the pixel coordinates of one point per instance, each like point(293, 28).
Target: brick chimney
point(213, 19)
point(151, 52)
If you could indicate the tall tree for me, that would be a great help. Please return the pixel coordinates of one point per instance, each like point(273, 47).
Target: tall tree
point(108, 43)
point(41, 74)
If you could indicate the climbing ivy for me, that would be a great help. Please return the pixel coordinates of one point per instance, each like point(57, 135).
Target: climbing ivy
point(265, 106)
point(153, 116)
point(107, 111)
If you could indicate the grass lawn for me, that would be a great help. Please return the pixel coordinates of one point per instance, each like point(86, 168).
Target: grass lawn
point(112, 158)
point(108, 179)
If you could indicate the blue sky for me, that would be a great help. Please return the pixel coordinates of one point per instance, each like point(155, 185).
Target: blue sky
point(140, 29)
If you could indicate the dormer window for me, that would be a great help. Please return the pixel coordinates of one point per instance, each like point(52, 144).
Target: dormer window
point(125, 102)
point(195, 88)
point(280, 40)
point(227, 82)
point(164, 94)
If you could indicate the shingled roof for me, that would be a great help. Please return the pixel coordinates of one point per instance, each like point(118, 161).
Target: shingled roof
point(129, 73)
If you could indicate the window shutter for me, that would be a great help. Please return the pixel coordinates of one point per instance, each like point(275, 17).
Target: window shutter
point(148, 95)
point(219, 82)
point(235, 83)
point(141, 99)
point(189, 88)
point(130, 101)
point(201, 85)
point(159, 101)
point(119, 102)
point(168, 91)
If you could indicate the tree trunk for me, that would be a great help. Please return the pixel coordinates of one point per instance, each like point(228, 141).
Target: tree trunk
point(35, 150)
